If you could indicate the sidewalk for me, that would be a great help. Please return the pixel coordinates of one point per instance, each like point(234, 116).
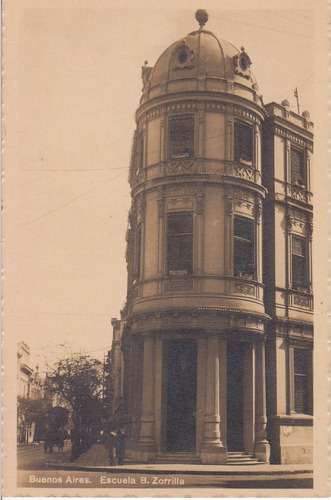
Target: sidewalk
point(96, 459)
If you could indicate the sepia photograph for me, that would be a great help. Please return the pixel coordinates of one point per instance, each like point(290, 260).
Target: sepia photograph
point(165, 249)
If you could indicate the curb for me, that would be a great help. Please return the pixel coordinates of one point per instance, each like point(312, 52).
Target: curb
point(91, 468)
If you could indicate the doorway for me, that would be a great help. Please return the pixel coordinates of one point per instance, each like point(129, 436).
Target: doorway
point(181, 395)
point(235, 397)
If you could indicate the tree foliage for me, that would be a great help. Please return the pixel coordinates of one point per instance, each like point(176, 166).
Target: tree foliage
point(78, 380)
point(31, 411)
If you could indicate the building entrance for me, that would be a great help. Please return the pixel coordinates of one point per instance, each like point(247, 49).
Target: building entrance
point(181, 395)
point(235, 397)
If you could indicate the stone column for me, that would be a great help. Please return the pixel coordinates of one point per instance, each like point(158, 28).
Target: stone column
point(212, 449)
point(146, 449)
point(262, 447)
point(136, 388)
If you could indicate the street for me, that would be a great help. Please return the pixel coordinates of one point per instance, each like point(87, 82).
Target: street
point(34, 472)
point(32, 456)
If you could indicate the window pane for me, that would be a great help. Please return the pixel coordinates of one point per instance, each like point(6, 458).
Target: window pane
point(243, 142)
point(180, 243)
point(301, 358)
point(181, 137)
point(139, 236)
point(244, 228)
point(297, 166)
point(298, 246)
point(299, 262)
point(244, 247)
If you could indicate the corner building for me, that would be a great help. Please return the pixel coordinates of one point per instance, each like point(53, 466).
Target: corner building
point(198, 321)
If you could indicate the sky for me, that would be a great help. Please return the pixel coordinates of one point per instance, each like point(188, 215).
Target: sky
point(75, 86)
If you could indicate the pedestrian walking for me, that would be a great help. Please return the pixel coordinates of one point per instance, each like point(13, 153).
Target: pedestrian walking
point(112, 446)
point(120, 448)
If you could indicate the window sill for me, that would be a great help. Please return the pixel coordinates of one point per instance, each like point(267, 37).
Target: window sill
point(293, 419)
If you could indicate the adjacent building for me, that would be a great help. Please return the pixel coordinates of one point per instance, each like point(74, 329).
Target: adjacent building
point(30, 386)
point(213, 352)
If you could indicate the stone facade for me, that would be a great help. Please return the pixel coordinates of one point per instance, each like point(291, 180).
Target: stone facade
point(216, 337)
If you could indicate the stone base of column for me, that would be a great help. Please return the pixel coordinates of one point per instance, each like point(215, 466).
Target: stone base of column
point(144, 452)
point(262, 451)
point(213, 453)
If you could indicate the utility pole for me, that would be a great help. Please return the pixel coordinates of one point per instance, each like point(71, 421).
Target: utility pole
point(296, 95)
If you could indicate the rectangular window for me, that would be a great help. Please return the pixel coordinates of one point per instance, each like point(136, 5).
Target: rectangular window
point(243, 142)
point(140, 151)
point(301, 369)
point(244, 247)
point(180, 243)
point(299, 262)
point(297, 167)
point(139, 240)
point(181, 137)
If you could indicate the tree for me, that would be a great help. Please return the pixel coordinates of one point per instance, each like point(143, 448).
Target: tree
point(79, 381)
point(29, 412)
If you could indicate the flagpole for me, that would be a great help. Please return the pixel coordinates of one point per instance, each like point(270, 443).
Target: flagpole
point(296, 95)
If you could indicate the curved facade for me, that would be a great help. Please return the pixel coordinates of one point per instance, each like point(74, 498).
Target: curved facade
point(195, 322)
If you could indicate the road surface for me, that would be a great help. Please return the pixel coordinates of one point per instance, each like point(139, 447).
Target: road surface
point(32, 456)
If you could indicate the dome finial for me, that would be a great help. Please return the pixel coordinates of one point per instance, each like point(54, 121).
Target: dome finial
point(201, 16)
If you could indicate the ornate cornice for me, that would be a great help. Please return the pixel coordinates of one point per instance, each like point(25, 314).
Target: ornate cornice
point(221, 320)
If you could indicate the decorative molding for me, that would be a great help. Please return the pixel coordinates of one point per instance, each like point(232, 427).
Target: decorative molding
point(242, 204)
point(216, 319)
point(161, 207)
point(178, 286)
point(246, 173)
point(298, 193)
point(242, 64)
point(229, 205)
point(215, 106)
point(289, 223)
point(245, 289)
point(301, 301)
point(179, 107)
point(241, 194)
point(258, 211)
point(184, 56)
point(200, 205)
point(180, 190)
point(293, 138)
point(180, 167)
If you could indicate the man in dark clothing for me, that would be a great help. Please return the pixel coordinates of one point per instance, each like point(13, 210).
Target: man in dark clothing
point(112, 447)
point(120, 448)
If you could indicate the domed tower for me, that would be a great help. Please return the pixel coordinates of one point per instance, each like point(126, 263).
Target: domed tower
point(194, 324)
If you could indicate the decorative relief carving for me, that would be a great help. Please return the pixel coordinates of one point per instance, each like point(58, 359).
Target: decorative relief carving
point(297, 193)
point(240, 193)
point(180, 190)
point(200, 205)
point(199, 318)
point(243, 173)
point(175, 201)
point(242, 204)
point(176, 107)
point(258, 211)
point(242, 64)
point(301, 301)
point(244, 289)
point(310, 228)
point(289, 222)
point(229, 205)
point(178, 286)
point(184, 56)
point(298, 215)
point(161, 207)
point(180, 167)
point(215, 106)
